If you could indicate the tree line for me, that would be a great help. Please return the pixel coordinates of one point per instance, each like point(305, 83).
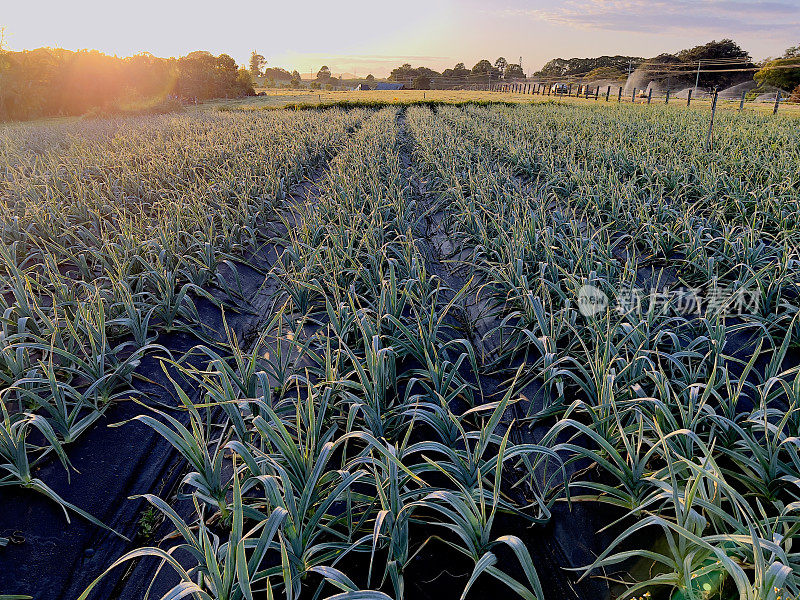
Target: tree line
point(54, 81)
point(483, 72)
point(724, 63)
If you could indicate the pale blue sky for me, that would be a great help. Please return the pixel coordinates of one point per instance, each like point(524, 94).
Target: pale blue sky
point(374, 37)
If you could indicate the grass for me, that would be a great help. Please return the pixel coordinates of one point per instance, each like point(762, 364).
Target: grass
point(366, 420)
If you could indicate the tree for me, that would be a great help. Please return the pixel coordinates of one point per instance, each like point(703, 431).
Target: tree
point(795, 95)
point(277, 74)
point(324, 74)
point(793, 52)
point(711, 53)
point(370, 77)
point(500, 64)
point(54, 81)
point(610, 73)
point(244, 83)
point(779, 73)
point(457, 72)
point(422, 82)
point(514, 72)
point(483, 67)
point(257, 62)
point(406, 72)
point(578, 67)
point(296, 79)
point(726, 48)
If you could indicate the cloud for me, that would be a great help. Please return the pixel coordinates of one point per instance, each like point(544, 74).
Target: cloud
point(767, 17)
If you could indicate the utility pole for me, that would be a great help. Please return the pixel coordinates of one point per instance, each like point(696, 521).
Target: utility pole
point(697, 81)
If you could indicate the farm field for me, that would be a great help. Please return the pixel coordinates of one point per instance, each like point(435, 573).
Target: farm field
point(547, 350)
point(283, 97)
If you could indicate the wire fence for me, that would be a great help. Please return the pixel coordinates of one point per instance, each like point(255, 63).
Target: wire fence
point(618, 94)
point(656, 78)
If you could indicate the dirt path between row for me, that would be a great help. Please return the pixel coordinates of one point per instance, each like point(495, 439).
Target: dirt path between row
point(562, 543)
point(51, 560)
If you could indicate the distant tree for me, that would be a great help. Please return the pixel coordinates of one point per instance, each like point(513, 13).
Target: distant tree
point(257, 62)
point(422, 82)
point(202, 75)
point(277, 74)
point(324, 74)
point(244, 83)
point(146, 74)
point(7, 87)
point(482, 67)
point(793, 52)
point(610, 73)
point(726, 48)
point(406, 72)
point(296, 79)
point(315, 85)
point(578, 67)
point(714, 51)
point(795, 97)
point(500, 64)
point(370, 77)
point(513, 72)
point(776, 73)
point(54, 81)
point(457, 72)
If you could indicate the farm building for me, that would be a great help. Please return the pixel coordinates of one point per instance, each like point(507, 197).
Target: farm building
point(389, 86)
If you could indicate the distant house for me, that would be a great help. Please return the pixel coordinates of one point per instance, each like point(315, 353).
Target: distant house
point(389, 86)
point(362, 87)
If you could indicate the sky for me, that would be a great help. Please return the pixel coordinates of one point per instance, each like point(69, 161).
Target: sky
point(373, 37)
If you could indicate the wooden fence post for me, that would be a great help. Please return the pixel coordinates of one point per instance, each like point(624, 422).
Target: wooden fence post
point(569, 91)
point(597, 93)
point(777, 103)
point(633, 96)
point(689, 99)
point(667, 99)
point(608, 93)
point(650, 96)
point(741, 102)
point(710, 138)
point(619, 96)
